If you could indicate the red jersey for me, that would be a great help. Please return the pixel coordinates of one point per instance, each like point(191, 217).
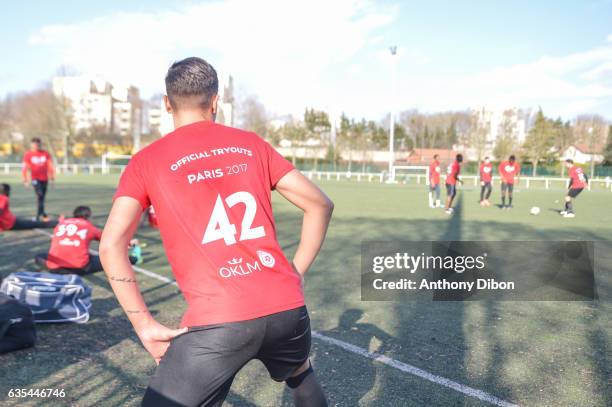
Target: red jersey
point(434, 172)
point(70, 243)
point(7, 219)
point(577, 177)
point(508, 171)
point(39, 163)
point(452, 172)
point(486, 172)
point(211, 189)
point(152, 217)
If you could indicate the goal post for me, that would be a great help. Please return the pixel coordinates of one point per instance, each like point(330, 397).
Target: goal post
point(109, 159)
point(406, 173)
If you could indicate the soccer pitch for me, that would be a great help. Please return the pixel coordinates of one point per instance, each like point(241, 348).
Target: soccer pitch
point(523, 353)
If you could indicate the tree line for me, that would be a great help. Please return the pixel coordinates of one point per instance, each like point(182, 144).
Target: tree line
point(546, 138)
point(40, 113)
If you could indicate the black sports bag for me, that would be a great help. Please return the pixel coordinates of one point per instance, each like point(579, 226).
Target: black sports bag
point(16, 325)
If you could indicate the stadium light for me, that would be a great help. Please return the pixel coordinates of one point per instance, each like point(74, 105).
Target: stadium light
point(393, 50)
point(592, 148)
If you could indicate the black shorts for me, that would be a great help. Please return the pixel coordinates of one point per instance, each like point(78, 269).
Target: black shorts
point(507, 187)
point(451, 190)
point(200, 365)
point(574, 192)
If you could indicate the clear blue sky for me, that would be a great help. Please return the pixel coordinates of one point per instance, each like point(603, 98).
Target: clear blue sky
point(453, 55)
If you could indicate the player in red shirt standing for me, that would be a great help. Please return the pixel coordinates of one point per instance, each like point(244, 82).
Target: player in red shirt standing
point(434, 181)
point(509, 171)
point(8, 221)
point(577, 182)
point(486, 174)
point(38, 170)
point(452, 177)
point(211, 188)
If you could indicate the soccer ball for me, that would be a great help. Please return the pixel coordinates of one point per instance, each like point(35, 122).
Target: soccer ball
point(535, 210)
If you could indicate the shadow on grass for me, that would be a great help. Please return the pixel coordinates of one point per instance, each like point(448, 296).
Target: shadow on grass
point(524, 352)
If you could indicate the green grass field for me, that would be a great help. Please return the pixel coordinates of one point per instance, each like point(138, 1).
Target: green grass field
point(527, 353)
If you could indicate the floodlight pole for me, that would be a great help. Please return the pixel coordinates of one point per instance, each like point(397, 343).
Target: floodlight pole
point(592, 148)
point(393, 50)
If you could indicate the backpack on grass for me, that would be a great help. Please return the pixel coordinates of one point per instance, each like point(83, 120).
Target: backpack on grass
point(51, 297)
point(16, 325)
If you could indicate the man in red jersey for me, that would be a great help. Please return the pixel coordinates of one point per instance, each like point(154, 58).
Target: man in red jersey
point(434, 181)
point(211, 188)
point(452, 177)
point(69, 252)
point(486, 174)
point(509, 171)
point(577, 182)
point(8, 221)
point(38, 170)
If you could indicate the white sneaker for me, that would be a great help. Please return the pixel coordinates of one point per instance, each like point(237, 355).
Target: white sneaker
point(562, 213)
point(449, 211)
point(569, 215)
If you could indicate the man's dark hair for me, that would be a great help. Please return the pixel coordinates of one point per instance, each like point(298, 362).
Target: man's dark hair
point(36, 140)
point(6, 189)
point(83, 212)
point(459, 157)
point(191, 82)
point(569, 161)
point(512, 158)
point(436, 156)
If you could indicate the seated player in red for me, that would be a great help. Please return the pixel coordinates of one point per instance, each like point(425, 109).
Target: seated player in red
point(69, 252)
point(486, 174)
point(577, 182)
point(8, 221)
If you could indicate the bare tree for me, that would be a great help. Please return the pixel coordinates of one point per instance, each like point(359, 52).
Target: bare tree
point(591, 131)
point(506, 141)
point(251, 115)
point(40, 114)
point(478, 136)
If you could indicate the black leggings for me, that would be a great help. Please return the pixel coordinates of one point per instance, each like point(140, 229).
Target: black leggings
point(93, 266)
point(24, 224)
point(40, 188)
point(485, 191)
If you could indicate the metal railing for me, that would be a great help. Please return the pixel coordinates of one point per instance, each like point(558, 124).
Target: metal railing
point(381, 177)
point(87, 169)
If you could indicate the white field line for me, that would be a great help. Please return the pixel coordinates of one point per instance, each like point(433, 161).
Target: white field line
point(406, 368)
point(401, 366)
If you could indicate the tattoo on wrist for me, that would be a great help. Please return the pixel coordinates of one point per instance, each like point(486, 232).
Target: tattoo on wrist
point(123, 279)
point(130, 311)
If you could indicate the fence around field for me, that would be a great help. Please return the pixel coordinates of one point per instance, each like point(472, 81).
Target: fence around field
point(380, 177)
point(87, 169)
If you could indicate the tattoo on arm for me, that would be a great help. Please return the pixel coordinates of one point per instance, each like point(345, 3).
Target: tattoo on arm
point(129, 311)
point(123, 279)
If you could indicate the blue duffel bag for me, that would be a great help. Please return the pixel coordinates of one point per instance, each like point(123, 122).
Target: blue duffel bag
point(51, 297)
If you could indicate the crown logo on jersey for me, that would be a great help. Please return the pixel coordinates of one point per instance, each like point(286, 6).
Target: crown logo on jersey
point(234, 261)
